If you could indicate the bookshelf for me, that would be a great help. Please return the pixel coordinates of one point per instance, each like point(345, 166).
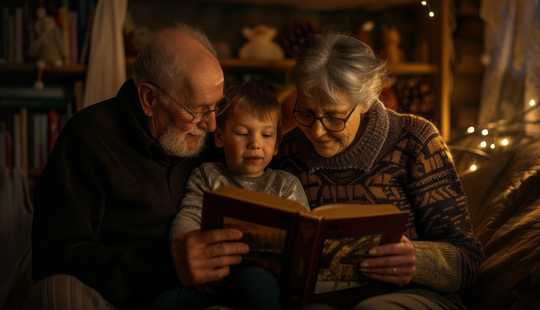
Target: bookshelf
point(437, 71)
point(288, 64)
point(230, 64)
point(25, 70)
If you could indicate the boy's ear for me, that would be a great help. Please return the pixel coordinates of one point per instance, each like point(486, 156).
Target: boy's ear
point(218, 138)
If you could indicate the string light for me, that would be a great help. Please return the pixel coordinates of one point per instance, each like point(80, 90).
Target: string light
point(496, 136)
point(431, 12)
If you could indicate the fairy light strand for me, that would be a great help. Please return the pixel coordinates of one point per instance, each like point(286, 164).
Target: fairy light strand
point(430, 11)
point(496, 133)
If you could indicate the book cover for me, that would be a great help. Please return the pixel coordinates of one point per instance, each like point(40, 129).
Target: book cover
point(316, 255)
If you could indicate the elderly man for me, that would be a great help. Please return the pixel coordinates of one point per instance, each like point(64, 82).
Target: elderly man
point(116, 178)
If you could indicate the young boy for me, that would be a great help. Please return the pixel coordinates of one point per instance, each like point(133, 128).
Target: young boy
point(248, 131)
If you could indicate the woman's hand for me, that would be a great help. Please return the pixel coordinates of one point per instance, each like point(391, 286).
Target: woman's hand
point(392, 263)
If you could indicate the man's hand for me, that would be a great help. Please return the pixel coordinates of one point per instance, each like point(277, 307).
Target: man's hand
point(393, 263)
point(202, 257)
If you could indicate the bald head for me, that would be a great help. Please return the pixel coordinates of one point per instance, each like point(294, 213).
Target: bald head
point(176, 55)
point(178, 77)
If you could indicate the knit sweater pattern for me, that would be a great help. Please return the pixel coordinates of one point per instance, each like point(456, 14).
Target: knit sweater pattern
point(397, 159)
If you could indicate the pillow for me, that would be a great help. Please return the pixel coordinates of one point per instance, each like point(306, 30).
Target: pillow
point(507, 223)
point(478, 186)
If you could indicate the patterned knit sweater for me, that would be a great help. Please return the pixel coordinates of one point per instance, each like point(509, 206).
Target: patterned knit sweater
point(402, 160)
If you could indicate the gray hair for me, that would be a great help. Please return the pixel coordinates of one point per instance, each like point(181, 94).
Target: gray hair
point(163, 65)
point(339, 64)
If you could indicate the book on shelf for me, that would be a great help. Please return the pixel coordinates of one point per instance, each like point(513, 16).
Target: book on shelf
point(28, 97)
point(32, 93)
point(316, 255)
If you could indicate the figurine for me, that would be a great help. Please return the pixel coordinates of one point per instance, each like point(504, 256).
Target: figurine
point(365, 32)
point(48, 42)
point(260, 44)
point(391, 50)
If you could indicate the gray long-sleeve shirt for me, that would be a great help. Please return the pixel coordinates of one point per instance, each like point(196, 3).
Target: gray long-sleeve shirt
point(210, 176)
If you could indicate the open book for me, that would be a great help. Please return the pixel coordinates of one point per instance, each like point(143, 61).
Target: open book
point(316, 255)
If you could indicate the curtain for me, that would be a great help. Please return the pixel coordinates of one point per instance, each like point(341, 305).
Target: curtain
point(512, 78)
point(106, 66)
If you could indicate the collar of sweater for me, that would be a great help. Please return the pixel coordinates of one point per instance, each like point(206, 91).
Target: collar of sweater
point(364, 149)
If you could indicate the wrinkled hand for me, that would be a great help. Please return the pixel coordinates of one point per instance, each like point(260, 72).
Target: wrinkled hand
point(203, 257)
point(393, 263)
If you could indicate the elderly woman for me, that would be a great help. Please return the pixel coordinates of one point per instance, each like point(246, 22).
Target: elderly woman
point(349, 148)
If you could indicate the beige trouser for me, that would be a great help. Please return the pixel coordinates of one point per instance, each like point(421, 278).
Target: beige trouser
point(64, 292)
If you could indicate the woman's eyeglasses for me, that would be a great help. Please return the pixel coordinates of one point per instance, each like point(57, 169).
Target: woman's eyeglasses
point(331, 123)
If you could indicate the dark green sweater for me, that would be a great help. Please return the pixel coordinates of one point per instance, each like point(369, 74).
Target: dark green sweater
point(105, 201)
point(402, 160)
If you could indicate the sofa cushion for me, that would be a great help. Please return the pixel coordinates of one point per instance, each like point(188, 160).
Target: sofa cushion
point(507, 222)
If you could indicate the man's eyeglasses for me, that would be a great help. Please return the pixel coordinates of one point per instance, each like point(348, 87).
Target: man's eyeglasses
point(330, 123)
point(193, 116)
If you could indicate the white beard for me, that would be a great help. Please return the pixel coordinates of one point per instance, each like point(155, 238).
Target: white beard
point(173, 141)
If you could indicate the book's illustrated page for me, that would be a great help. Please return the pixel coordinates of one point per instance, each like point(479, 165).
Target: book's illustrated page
point(266, 243)
point(339, 263)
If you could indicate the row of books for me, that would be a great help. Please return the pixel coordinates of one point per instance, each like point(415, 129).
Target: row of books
point(73, 18)
point(30, 123)
point(27, 138)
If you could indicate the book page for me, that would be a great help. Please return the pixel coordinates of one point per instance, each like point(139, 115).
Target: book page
point(266, 244)
point(341, 211)
point(260, 199)
point(339, 264)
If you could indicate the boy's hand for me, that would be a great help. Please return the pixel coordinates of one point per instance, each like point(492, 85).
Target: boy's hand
point(202, 257)
point(392, 263)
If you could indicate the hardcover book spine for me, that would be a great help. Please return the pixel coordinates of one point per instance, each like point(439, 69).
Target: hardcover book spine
point(303, 259)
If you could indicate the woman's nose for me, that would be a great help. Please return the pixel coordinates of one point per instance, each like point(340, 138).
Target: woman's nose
point(317, 129)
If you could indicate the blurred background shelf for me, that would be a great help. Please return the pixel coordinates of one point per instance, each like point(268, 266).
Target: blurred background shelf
point(235, 64)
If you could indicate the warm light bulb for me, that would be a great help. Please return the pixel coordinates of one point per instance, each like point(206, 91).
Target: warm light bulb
point(431, 14)
point(473, 167)
point(492, 146)
point(485, 132)
point(424, 3)
point(470, 129)
point(505, 142)
point(532, 102)
point(483, 144)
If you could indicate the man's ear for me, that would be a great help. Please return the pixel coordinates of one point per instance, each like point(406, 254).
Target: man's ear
point(147, 99)
point(218, 138)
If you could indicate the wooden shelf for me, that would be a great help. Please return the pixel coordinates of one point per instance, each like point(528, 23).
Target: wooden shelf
point(412, 68)
point(288, 65)
point(78, 70)
point(75, 70)
point(245, 64)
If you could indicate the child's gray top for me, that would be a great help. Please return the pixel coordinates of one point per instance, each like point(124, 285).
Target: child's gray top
point(210, 176)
